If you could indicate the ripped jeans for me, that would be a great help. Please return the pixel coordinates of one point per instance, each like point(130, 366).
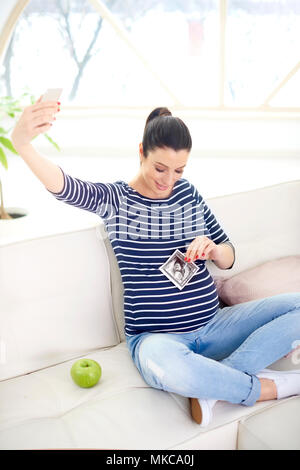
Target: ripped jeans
point(220, 360)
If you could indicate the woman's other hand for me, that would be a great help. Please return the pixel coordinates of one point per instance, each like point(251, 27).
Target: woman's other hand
point(201, 248)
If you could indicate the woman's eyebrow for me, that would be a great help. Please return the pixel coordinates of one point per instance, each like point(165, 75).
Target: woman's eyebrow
point(167, 166)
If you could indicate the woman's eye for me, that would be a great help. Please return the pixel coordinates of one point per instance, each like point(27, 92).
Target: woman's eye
point(176, 171)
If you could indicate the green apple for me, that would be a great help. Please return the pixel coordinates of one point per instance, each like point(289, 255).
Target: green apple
point(86, 372)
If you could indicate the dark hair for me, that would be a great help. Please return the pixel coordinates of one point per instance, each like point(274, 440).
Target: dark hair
point(164, 130)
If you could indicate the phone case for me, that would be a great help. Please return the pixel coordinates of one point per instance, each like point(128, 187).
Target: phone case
point(52, 94)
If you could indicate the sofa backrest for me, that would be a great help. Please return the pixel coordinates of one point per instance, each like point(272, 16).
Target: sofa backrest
point(55, 300)
point(263, 224)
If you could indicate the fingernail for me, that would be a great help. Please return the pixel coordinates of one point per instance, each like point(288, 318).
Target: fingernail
point(185, 259)
point(189, 260)
point(58, 109)
point(197, 257)
point(203, 254)
point(58, 103)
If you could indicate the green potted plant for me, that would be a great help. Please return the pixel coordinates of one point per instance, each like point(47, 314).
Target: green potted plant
point(10, 110)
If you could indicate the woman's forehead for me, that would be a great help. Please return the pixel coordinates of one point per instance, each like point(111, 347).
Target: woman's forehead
point(169, 158)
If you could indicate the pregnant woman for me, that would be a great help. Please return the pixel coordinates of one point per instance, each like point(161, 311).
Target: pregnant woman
point(180, 340)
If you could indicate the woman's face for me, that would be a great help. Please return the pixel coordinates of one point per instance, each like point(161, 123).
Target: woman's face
point(161, 169)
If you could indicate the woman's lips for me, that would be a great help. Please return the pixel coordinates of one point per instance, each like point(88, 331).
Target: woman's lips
point(161, 187)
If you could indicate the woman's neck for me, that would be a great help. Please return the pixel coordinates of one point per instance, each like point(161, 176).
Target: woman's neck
point(138, 185)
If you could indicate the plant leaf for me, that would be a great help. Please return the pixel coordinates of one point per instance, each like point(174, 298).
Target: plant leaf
point(52, 142)
point(8, 144)
point(3, 131)
point(3, 159)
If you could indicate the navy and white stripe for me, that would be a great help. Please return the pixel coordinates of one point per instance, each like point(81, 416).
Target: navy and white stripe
point(144, 233)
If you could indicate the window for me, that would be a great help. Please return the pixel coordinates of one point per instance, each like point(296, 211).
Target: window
point(262, 41)
point(212, 54)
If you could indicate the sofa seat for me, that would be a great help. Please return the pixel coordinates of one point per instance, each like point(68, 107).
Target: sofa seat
point(47, 410)
point(277, 428)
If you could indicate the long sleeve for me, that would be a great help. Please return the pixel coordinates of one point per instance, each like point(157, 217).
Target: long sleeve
point(99, 198)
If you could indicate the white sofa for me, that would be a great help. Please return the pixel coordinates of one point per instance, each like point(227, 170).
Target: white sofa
point(61, 299)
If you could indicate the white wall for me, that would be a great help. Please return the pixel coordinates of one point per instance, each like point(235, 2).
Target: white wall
point(119, 134)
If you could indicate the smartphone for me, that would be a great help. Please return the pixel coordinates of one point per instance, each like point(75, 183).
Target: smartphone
point(52, 94)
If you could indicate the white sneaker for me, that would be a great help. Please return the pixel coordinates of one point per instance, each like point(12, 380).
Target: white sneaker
point(201, 410)
point(287, 381)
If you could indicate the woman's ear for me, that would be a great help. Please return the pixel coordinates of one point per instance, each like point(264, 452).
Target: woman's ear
point(141, 152)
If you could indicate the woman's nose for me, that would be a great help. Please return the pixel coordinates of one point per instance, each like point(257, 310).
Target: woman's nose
point(167, 180)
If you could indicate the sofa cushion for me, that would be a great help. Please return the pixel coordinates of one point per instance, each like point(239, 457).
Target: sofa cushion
point(275, 428)
point(267, 279)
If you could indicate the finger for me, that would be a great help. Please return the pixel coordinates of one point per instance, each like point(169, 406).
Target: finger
point(207, 250)
point(43, 118)
point(45, 105)
point(40, 122)
point(188, 253)
point(39, 130)
point(42, 129)
point(193, 248)
point(193, 254)
point(200, 250)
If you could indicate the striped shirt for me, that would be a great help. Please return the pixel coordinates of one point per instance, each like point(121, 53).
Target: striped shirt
point(144, 233)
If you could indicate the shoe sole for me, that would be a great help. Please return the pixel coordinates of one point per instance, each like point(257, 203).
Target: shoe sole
point(196, 410)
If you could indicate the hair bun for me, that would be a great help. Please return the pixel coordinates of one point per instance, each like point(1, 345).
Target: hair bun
point(164, 130)
point(158, 112)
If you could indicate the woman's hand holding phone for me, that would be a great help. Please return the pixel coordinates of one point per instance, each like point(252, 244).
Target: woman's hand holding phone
point(35, 119)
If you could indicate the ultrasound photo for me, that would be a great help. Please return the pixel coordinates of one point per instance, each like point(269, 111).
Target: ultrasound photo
point(177, 270)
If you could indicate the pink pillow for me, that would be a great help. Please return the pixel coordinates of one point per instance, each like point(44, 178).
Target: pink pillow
point(270, 278)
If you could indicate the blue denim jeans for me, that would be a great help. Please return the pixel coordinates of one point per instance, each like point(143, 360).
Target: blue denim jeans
point(221, 359)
